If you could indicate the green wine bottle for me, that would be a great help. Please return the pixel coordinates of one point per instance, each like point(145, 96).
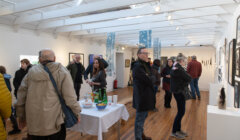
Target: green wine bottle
point(105, 101)
point(99, 95)
point(96, 97)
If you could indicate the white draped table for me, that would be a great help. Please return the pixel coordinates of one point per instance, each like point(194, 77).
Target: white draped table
point(95, 122)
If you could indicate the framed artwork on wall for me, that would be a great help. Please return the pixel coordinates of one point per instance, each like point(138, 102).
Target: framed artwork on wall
point(220, 56)
point(163, 61)
point(127, 63)
point(219, 75)
point(91, 58)
point(33, 59)
point(237, 94)
point(238, 48)
point(232, 62)
point(72, 55)
point(237, 72)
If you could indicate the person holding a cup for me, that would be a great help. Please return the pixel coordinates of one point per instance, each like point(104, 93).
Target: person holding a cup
point(143, 92)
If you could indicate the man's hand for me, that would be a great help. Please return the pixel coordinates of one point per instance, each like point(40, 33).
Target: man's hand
point(168, 76)
point(21, 124)
point(79, 119)
point(91, 83)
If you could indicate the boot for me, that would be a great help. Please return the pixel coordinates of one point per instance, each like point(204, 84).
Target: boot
point(145, 137)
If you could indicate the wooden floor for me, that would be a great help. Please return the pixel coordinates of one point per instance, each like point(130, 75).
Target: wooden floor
point(158, 124)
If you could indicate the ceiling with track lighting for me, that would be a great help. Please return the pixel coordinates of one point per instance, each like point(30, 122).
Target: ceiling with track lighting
point(174, 22)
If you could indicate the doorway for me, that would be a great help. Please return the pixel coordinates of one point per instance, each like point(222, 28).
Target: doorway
point(120, 69)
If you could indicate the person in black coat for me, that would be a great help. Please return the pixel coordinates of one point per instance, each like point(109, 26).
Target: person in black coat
point(13, 119)
point(76, 70)
point(89, 69)
point(179, 82)
point(166, 83)
point(143, 92)
point(19, 75)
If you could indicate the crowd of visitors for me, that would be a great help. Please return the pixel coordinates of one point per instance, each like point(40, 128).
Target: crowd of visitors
point(37, 98)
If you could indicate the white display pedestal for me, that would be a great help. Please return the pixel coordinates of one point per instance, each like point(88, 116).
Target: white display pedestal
point(214, 92)
point(223, 124)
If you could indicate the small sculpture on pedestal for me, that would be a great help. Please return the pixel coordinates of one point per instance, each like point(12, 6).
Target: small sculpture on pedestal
point(222, 99)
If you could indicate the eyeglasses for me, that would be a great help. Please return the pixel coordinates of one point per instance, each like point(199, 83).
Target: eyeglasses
point(146, 53)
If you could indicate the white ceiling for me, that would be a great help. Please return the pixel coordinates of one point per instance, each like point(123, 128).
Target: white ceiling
point(199, 22)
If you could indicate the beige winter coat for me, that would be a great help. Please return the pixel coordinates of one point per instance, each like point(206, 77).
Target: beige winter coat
point(38, 102)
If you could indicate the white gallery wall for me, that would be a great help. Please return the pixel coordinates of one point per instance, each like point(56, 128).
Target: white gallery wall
point(203, 54)
point(229, 34)
point(26, 42)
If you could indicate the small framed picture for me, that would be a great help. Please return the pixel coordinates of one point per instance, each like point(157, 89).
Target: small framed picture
point(127, 63)
point(72, 55)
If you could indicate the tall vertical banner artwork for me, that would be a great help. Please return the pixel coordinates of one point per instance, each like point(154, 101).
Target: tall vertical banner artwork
point(110, 53)
point(156, 48)
point(145, 38)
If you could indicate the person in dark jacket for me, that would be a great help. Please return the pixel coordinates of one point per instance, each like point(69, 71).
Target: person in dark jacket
point(179, 81)
point(194, 68)
point(99, 76)
point(13, 119)
point(166, 83)
point(157, 76)
point(19, 75)
point(89, 69)
point(76, 70)
point(143, 92)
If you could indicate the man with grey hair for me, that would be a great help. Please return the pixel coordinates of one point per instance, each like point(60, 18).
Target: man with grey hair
point(144, 98)
point(194, 68)
point(76, 70)
point(38, 105)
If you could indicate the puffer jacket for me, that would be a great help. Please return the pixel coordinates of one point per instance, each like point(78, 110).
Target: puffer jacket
point(5, 106)
point(38, 102)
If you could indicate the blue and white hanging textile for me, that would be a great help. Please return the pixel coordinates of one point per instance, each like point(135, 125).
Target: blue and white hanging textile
point(110, 53)
point(145, 38)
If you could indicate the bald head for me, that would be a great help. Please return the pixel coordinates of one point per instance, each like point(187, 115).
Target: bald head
point(46, 55)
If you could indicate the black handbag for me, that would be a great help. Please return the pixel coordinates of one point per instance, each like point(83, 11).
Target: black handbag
point(187, 93)
point(70, 119)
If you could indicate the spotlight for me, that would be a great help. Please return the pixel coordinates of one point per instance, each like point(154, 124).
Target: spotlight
point(169, 17)
point(157, 8)
point(79, 2)
point(133, 6)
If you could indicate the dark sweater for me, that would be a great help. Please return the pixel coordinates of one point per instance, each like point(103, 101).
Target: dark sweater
point(90, 69)
point(179, 79)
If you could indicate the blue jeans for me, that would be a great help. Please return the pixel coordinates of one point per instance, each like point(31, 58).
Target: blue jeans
point(155, 89)
point(194, 87)
point(139, 123)
point(180, 99)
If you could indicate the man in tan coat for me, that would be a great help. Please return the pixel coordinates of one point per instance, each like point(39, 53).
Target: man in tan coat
point(38, 105)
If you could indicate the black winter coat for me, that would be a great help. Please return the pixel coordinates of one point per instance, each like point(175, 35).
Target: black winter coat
point(179, 79)
point(19, 75)
point(143, 92)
